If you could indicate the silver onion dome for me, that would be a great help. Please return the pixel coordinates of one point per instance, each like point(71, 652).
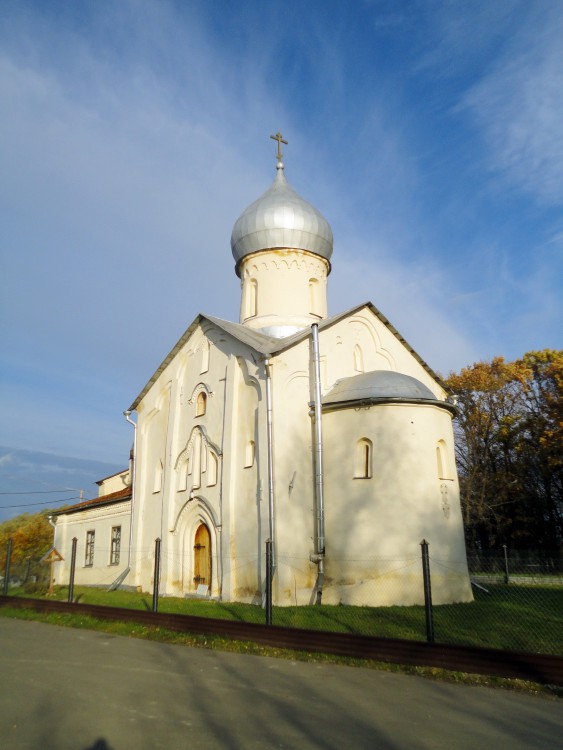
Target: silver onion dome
point(280, 218)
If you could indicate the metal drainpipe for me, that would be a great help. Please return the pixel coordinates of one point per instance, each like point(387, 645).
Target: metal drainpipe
point(268, 364)
point(319, 555)
point(127, 415)
point(220, 555)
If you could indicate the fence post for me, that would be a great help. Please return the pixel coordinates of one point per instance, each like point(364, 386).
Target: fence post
point(269, 572)
point(72, 569)
point(156, 575)
point(506, 575)
point(7, 567)
point(427, 592)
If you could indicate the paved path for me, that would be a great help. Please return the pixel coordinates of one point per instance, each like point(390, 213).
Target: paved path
point(66, 689)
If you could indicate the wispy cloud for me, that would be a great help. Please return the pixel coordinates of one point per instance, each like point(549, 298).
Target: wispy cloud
point(132, 140)
point(519, 105)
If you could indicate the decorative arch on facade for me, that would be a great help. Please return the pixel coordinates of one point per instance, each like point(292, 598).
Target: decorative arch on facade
point(197, 507)
point(200, 388)
point(199, 456)
point(363, 463)
point(194, 514)
point(360, 325)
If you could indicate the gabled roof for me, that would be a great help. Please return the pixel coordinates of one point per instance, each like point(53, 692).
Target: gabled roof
point(109, 499)
point(270, 346)
point(256, 340)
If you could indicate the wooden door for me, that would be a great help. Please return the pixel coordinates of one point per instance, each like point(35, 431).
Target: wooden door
point(202, 556)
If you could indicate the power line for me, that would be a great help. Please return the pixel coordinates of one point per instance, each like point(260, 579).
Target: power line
point(37, 492)
point(28, 505)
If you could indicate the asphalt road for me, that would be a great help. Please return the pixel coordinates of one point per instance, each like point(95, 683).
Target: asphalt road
point(62, 689)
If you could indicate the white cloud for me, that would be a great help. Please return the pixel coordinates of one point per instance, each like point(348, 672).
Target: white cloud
point(130, 147)
point(519, 105)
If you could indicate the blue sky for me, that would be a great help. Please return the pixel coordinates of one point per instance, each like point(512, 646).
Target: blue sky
point(133, 134)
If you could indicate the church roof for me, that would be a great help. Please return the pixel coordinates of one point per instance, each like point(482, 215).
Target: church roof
point(280, 218)
point(113, 497)
point(380, 386)
point(376, 385)
point(270, 346)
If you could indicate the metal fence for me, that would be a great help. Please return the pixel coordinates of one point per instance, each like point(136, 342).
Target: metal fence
point(516, 601)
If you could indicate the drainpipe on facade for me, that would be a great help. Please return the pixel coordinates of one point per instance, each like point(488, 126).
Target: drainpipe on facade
point(268, 365)
point(133, 465)
point(319, 554)
point(127, 415)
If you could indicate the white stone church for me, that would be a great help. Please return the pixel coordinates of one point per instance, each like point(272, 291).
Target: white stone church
point(328, 435)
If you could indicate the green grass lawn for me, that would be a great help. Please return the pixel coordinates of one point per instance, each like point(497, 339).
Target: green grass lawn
point(520, 618)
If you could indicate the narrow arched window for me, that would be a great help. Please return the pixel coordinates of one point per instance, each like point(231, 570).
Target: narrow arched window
point(251, 298)
point(314, 304)
point(205, 356)
point(442, 460)
point(183, 476)
point(249, 454)
point(201, 404)
point(196, 462)
point(157, 481)
point(211, 468)
point(364, 459)
point(358, 359)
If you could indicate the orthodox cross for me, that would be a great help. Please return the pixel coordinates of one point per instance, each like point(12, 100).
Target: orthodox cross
point(279, 138)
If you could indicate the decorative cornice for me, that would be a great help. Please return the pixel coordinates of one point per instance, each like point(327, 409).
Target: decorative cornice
point(289, 260)
point(92, 514)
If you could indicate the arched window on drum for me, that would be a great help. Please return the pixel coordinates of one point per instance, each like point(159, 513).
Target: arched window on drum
point(364, 459)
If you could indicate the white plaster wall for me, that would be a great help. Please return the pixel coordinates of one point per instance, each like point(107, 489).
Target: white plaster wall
point(283, 297)
point(294, 478)
point(114, 483)
point(101, 573)
point(235, 509)
point(406, 480)
point(381, 350)
point(374, 526)
point(232, 506)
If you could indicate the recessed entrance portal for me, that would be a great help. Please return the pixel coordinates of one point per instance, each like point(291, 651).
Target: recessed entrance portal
point(202, 556)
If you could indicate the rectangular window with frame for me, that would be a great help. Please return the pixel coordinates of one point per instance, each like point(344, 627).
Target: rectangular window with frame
point(115, 545)
point(89, 556)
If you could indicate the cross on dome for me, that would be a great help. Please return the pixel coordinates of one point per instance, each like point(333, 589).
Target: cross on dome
point(279, 138)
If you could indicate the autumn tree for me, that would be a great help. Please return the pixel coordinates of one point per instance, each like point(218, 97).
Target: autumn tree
point(509, 437)
point(32, 536)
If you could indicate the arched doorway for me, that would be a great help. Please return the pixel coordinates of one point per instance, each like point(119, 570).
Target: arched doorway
point(202, 556)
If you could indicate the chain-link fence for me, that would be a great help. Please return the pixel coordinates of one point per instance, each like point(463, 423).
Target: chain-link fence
point(509, 601)
point(27, 576)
